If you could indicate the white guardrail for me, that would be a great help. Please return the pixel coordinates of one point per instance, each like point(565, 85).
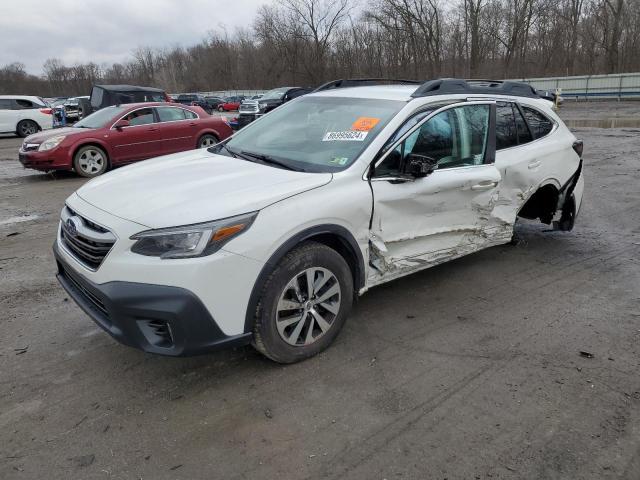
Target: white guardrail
point(619, 86)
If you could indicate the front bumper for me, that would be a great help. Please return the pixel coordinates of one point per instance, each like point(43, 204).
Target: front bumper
point(154, 318)
point(55, 159)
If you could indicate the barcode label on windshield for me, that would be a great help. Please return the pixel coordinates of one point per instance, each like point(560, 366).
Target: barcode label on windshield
point(347, 136)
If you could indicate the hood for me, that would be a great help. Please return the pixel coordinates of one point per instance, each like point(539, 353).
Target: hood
point(193, 187)
point(54, 132)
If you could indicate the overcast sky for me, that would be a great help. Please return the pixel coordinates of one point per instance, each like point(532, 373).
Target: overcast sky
point(109, 30)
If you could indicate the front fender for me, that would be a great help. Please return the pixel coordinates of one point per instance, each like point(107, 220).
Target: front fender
point(90, 141)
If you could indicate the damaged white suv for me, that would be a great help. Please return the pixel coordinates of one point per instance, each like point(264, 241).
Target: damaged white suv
point(268, 237)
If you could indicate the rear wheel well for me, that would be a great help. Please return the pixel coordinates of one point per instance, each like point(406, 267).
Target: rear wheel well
point(212, 133)
point(541, 205)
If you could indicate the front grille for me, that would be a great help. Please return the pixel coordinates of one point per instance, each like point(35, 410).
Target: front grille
point(88, 242)
point(251, 108)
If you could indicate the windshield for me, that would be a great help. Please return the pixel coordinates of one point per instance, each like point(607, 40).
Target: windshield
point(101, 118)
point(316, 134)
point(275, 94)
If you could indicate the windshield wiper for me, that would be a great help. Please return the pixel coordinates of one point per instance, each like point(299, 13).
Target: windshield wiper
point(233, 153)
point(270, 160)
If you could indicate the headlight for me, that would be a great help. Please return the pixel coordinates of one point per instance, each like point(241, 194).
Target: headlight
point(53, 142)
point(191, 240)
point(262, 106)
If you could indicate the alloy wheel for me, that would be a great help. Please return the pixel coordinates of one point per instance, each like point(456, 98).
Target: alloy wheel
point(91, 161)
point(207, 142)
point(28, 128)
point(308, 306)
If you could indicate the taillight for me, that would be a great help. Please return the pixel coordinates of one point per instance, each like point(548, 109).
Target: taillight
point(578, 146)
point(46, 111)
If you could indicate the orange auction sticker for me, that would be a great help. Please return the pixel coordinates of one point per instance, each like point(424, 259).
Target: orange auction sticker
point(364, 124)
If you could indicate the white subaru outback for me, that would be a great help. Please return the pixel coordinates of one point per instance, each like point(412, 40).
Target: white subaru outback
point(267, 237)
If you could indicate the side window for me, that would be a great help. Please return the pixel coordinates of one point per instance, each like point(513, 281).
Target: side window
point(189, 115)
point(539, 124)
point(5, 104)
point(170, 114)
point(24, 103)
point(524, 135)
point(506, 133)
point(455, 138)
point(143, 116)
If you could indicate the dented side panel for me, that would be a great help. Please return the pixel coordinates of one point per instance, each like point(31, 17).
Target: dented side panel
point(430, 220)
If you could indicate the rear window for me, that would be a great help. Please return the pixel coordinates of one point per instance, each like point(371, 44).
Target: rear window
point(506, 133)
point(524, 135)
point(97, 95)
point(5, 104)
point(539, 124)
point(26, 103)
point(170, 114)
point(155, 97)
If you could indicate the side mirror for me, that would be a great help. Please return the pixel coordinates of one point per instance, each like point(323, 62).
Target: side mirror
point(419, 166)
point(121, 124)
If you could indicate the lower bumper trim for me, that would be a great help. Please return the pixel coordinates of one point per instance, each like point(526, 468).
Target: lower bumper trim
point(154, 318)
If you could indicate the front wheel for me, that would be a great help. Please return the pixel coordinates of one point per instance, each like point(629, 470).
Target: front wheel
point(221, 109)
point(90, 161)
point(207, 140)
point(304, 304)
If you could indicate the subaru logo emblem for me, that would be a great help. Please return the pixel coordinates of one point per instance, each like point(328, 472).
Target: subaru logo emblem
point(72, 229)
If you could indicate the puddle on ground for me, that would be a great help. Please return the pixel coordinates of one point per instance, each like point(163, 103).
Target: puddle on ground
point(20, 219)
point(603, 123)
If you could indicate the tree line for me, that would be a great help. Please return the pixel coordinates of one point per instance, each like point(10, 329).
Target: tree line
point(307, 42)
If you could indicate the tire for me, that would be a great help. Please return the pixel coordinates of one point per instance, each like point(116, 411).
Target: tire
point(207, 140)
point(221, 109)
point(90, 161)
point(26, 128)
point(277, 333)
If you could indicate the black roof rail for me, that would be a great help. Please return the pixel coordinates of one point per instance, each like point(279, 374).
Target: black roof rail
point(448, 86)
point(362, 82)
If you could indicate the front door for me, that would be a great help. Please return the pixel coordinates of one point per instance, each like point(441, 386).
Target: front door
point(140, 140)
point(420, 222)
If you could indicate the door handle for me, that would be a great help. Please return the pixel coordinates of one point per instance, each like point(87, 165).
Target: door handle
point(152, 129)
point(484, 185)
point(534, 164)
point(193, 124)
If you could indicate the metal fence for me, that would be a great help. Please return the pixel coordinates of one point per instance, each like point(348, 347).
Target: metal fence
point(620, 86)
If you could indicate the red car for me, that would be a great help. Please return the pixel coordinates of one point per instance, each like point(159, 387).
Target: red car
point(230, 104)
point(122, 134)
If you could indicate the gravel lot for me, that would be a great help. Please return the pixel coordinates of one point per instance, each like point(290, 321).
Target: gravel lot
point(470, 370)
